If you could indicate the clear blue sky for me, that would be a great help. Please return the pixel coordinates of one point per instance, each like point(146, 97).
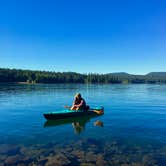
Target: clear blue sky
point(83, 35)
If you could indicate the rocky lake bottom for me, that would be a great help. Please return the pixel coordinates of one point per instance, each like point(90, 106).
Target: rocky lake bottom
point(85, 152)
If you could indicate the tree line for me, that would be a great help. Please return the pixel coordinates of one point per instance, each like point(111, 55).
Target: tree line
point(29, 76)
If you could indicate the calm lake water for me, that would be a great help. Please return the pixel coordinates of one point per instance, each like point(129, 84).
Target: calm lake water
point(132, 131)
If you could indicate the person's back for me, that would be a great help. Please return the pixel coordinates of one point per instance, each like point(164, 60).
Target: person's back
point(83, 104)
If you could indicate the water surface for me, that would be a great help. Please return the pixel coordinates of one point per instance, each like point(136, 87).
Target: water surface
point(132, 132)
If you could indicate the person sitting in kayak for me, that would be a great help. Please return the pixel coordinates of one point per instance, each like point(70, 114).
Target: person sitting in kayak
point(79, 103)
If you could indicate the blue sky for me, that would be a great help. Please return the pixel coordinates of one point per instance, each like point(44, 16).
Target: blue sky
point(83, 35)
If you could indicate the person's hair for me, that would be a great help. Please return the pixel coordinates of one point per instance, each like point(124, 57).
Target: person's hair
point(78, 95)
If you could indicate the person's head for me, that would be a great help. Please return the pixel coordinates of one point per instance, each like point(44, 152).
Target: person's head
point(78, 96)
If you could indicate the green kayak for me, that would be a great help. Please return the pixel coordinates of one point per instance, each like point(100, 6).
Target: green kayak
point(67, 113)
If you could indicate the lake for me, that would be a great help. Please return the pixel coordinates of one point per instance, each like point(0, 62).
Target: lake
point(132, 130)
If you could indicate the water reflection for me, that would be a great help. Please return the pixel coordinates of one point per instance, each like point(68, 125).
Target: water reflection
point(78, 127)
point(78, 123)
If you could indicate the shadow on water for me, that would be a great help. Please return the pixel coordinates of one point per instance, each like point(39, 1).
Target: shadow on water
point(78, 123)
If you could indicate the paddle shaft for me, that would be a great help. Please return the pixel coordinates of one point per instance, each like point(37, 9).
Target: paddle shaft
point(96, 111)
point(67, 107)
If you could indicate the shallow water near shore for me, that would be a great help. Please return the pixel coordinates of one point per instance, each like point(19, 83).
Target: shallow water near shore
point(131, 132)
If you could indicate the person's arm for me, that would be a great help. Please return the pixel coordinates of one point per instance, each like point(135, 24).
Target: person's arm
point(79, 105)
point(74, 102)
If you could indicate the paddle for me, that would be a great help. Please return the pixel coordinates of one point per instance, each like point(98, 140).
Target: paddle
point(67, 107)
point(99, 112)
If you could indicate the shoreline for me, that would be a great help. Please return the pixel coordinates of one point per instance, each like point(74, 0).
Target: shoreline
point(27, 83)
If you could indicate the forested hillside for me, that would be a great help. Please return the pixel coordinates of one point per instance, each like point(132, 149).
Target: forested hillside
point(29, 76)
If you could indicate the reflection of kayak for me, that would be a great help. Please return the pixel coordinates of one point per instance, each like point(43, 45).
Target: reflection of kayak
point(57, 122)
point(63, 114)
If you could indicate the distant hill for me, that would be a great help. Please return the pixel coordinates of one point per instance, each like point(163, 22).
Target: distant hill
point(120, 74)
point(154, 74)
point(157, 74)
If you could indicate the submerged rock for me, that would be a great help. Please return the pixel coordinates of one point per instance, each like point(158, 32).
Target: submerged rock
point(100, 160)
point(58, 160)
point(87, 164)
point(11, 160)
point(80, 155)
point(2, 158)
point(1, 164)
point(148, 160)
point(9, 149)
point(138, 164)
point(42, 161)
point(21, 164)
point(32, 152)
point(90, 157)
